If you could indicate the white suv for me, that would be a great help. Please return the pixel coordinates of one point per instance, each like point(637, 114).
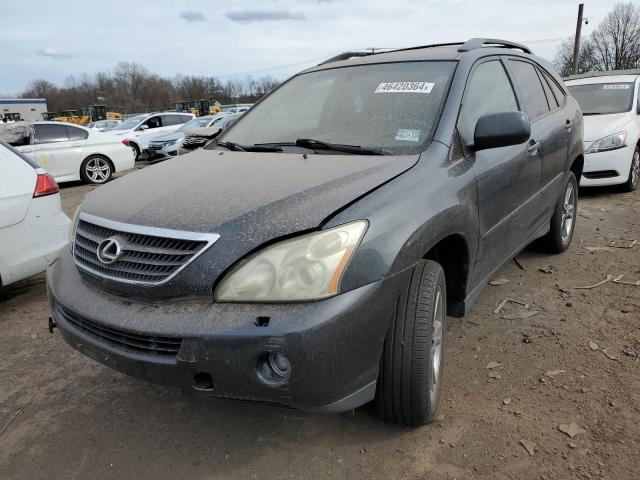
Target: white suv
point(140, 129)
point(611, 107)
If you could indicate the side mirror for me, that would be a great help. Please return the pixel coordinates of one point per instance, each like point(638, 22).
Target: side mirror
point(143, 127)
point(501, 130)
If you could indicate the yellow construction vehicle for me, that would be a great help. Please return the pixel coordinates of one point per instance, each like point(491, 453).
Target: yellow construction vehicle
point(198, 107)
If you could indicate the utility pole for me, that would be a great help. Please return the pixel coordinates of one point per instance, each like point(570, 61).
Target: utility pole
point(576, 46)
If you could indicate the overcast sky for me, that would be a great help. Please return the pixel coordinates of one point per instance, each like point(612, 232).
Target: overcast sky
point(54, 39)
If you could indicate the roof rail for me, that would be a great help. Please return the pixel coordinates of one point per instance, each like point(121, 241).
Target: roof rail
point(633, 71)
point(345, 56)
point(476, 43)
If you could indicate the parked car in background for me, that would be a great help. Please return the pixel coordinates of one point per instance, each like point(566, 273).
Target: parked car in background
point(70, 152)
point(138, 130)
point(610, 103)
point(237, 108)
point(311, 254)
point(167, 145)
point(199, 137)
point(103, 125)
point(33, 227)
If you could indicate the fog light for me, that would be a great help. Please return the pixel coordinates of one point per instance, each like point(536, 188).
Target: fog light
point(280, 364)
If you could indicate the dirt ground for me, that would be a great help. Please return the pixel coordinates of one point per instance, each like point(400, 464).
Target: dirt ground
point(576, 361)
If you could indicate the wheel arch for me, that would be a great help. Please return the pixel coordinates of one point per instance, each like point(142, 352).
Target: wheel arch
point(577, 166)
point(453, 254)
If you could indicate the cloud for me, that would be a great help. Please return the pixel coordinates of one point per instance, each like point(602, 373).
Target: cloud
point(248, 16)
point(50, 52)
point(192, 16)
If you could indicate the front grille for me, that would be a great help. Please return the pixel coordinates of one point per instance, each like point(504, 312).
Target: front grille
point(194, 141)
point(150, 344)
point(144, 255)
point(601, 174)
point(155, 146)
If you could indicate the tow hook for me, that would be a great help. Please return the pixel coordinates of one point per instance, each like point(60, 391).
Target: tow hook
point(52, 324)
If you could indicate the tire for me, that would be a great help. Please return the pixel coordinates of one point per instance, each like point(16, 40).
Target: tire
point(136, 151)
point(410, 375)
point(634, 172)
point(563, 221)
point(96, 169)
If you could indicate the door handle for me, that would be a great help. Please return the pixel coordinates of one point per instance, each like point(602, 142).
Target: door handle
point(533, 148)
point(568, 125)
point(75, 145)
point(26, 150)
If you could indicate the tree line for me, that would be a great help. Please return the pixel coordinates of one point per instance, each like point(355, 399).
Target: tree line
point(613, 45)
point(131, 88)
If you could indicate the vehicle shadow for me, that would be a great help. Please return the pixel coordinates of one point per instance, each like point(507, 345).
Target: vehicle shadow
point(154, 427)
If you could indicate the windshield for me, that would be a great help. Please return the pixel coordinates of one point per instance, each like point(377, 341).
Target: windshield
point(195, 123)
point(603, 98)
point(394, 107)
point(129, 123)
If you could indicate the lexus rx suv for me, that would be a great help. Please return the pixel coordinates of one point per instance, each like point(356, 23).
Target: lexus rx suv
point(310, 256)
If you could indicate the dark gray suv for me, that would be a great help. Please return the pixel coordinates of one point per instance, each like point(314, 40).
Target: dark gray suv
point(310, 256)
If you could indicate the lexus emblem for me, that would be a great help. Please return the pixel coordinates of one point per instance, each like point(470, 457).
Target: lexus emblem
point(109, 251)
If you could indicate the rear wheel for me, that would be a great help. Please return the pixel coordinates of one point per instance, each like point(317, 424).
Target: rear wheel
point(411, 365)
point(564, 219)
point(96, 169)
point(634, 172)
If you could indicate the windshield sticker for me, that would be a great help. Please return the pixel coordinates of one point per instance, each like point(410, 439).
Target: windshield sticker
point(406, 135)
point(405, 87)
point(616, 86)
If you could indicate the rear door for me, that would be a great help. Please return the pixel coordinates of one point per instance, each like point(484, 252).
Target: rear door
point(507, 178)
point(550, 128)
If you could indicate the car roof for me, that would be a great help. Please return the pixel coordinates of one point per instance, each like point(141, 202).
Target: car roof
point(448, 51)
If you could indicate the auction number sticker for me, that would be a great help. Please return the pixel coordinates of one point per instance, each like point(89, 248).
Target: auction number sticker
point(616, 86)
point(405, 87)
point(407, 135)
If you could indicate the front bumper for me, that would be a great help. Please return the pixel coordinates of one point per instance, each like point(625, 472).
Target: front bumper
point(607, 168)
point(156, 152)
point(333, 345)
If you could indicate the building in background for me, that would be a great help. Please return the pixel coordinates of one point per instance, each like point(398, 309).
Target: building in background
point(30, 109)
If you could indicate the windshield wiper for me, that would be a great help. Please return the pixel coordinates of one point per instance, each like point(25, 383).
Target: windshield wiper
point(248, 148)
point(338, 147)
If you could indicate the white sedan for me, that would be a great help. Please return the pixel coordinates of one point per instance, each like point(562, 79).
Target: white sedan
point(33, 227)
point(70, 152)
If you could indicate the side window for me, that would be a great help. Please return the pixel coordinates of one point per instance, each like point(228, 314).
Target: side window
point(180, 119)
point(551, 98)
point(533, 97)
point(560, 95)
point(75, 133)
point(168, 120)
point(153, 122)
point(489, 91)
point(49, 133)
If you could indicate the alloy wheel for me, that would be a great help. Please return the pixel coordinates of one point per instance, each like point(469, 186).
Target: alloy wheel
point(436, 347)
point(568, 212)
point(98, 170)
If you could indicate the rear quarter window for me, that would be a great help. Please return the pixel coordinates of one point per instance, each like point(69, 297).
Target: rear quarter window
point(75, 133)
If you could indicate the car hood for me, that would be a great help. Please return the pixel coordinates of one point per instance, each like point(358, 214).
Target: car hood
point(202, 131)
point(248, 199)
point(165, 137)
point(600, 126)
point(276, 193)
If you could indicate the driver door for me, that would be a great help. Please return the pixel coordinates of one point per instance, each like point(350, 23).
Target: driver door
point(507, 178)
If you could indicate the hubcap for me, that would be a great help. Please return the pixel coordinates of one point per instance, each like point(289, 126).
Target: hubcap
point(635, 169)
point(568, 212)
point(436, 348)
point(98, 170)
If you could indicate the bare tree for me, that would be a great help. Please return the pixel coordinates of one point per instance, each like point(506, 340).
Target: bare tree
point(587, 60)
point(616, 41)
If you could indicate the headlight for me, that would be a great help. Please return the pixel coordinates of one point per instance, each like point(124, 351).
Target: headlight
point(170, 142)
point(304, 268)
point(612, 142)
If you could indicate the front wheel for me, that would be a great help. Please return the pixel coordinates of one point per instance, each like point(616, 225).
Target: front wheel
point(410, 375)
point(96, 169)
point(634, 172)
point(563, 221)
